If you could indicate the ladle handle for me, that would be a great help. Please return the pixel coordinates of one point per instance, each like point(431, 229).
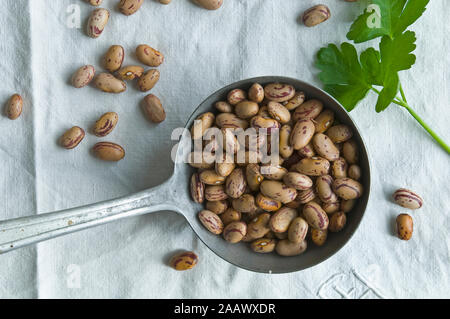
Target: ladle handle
point(20, 232)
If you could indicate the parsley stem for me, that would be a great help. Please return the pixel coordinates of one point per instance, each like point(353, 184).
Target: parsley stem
point(402, 102)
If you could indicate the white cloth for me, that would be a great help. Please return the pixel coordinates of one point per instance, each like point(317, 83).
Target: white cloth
point(204, 51)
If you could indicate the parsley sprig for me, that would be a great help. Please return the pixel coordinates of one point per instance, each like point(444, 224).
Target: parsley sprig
point(349, 77)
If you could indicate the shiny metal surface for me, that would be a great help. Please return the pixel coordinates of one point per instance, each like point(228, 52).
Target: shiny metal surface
point(174, 195)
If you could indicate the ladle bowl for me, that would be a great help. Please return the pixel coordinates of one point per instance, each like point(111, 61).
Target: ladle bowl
point(174, 195)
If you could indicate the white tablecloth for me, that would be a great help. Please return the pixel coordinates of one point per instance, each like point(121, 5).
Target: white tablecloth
point(204, 51)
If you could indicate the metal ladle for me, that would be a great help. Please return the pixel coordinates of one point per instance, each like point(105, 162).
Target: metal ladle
point(174, 195)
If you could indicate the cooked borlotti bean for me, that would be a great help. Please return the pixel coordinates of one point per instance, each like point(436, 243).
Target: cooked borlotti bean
point(83, 76)
point(105, 124)
point(290, 179)
point(14, 107)
point(97, 22)
point(129, 7)
point(407, 199)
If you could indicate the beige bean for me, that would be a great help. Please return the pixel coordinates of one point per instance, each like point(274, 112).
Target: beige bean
point(307, 151)
point(350, 151)
point(165, 1)
point(263, 245)
point(308, 110)
point(254, 176)
point(235, 232)
point(113, 59)
point(210, 177)
point(337, 222)
point(201, 160)
point(235, 183)
point(210, 4)
point(315, 216)
point(230, 120)
point(226, 166)
point(109, 84)
point(339, 168)
point(97, 22)
point(72, 138)
point(129, 7)
point(297, 230)
point(149, 56)
point(340, 133)
point(215, 192)
point(105, 124)
point(130, 72)
point(316, 15)
point(256, 93)
point(147, 81)
point(223, 107)
point(184, 261)
point(273, 172)
point(197, 189)
point(259, 226)
point(324, 121)
point(153, 109)
point(230, 143)
point(211, 221)
point(83, 76)
point(324, 147)
point(354, 172)
point(278, 112)
point(244, 204)
point(407, 198)
point(201, 124)
point(319, 237)
point(259, 122)
point(405, 226)
point(302, 134)
point(217, 207)
point(306, 196)
point(297, 181)
point(286, 149)
point(236, 96)
point(278, 191)
point(279, 92)
point(281, 219)
point(230, 216)
point(287, 248)
point(347, 188)
point(324, 189)
point(330, 208)
point(314, 166)
point(347, 205)
point(296, 101)
point(263, 111)
point(246, 109)
point(266, 203)
point(14, 107)
point(110, 152)
point(95, 3)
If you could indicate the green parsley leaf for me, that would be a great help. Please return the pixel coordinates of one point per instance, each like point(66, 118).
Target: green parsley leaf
point(342, 74)
point(386, 17)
